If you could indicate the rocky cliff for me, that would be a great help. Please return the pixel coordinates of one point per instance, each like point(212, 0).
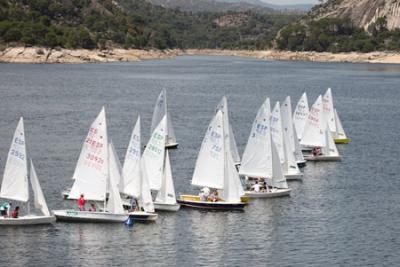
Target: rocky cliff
point(361, 12)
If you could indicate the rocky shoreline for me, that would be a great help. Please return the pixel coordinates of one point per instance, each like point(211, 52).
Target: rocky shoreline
point(46, 55)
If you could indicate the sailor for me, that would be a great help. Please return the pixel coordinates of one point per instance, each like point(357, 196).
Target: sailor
point(81, 203)
point(257, 187)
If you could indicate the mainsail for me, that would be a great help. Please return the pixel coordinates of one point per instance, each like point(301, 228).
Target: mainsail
point(329, 113)
point(15, 179)
point(161, 110)
point(91, 172)
point(313, 134)
point(300, 115)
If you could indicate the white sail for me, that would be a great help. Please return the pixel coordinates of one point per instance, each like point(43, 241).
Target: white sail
point(329, 114)
point(340, 134)
point(291, 167)
point(277, 131)
point(131, 169)
point(92, 168)
point(114, 203)
point(153, 155)
point(161, 110)
point(15, 179)
point(278, 179)
point(38, 197)
point(145, 199)
point(232, 187)
point(166, 194)
point(210, 164)
point(330, 149)
point(115, 167)
point(297, 149)
point(170, 139)
point(223, 106)
point(313, 134)
point(256, 160)
point(300, 115)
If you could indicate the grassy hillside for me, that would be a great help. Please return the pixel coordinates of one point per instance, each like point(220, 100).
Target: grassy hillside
point(131, 24)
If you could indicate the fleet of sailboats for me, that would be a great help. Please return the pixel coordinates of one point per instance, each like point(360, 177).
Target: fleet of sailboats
point(279, 143)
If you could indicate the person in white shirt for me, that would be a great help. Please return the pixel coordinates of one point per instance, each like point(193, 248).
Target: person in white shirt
point(257, 187)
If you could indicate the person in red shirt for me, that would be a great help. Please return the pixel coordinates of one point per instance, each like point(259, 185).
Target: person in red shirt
point(15, 213)
point(81, 203)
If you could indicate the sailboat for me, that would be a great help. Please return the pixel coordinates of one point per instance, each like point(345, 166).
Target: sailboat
point(223, 106)
point(15, 183)
point(215, 169)
point(166, 199)
point(282, 142)
point(161, 110)
point(318, 136)
point(332, 118)
point(300, 115)
point(136, 184)
point(290, 135)
point(261, 159)
point(94, 178)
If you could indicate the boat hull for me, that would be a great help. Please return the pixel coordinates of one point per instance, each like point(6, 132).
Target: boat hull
point(294, 177)
point(276, 192)
point(323, 158)
point(89, 216)
point(166, 207)
point(142, 216)
point(171, 145)
point(342, 141)
point(191, 201)
point(28, 220)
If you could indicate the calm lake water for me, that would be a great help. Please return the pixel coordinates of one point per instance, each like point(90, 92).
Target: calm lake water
point(342, 214)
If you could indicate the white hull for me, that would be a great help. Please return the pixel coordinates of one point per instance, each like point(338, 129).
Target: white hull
point(166, 207)
point(291, 177)
point(28, 220)
point(171, 145)
point(323, 158)
point(276, 192)
point(143, 216)
point(89, 216)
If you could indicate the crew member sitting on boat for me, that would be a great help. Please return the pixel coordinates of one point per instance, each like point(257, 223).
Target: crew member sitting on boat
point(204, 194)
point(134, 204)
point(214, 196)
point(4, 209)
point(316, 151)
point(256, 187)
point(15, 213)
point(81, 203)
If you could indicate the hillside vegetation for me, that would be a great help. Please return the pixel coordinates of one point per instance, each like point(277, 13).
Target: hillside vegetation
point(344, 26)
point(131, 24)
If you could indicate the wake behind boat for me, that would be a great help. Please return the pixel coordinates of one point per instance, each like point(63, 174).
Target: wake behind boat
point(15, 184)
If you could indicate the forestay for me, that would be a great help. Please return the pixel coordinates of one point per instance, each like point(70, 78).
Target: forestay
point(38, 200)
point(257, 161)
point(210, 164)
point(15, 179)
point(313, 134)
point(153, 155)
point(300, 115)
point(166, 194)
point(131, 168)
point(92, 168)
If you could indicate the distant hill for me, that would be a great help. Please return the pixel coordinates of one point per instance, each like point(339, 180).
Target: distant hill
point(362, 13)
point(132, 24)
point(345, 25)
point(214, 5)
